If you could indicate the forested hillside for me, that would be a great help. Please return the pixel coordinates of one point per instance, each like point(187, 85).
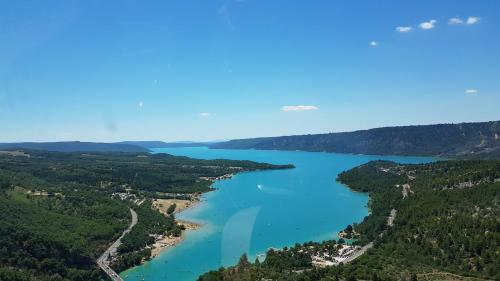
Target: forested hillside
point(60, 211)
point(447, 140)
point(446, 226)
point(55, 237)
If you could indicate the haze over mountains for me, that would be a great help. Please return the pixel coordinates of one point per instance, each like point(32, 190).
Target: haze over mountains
point(73, 146)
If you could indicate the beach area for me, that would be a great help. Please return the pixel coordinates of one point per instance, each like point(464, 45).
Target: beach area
point(164, 242)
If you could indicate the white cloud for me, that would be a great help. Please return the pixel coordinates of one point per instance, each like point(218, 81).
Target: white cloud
point(455, 21)
point(373, 44)
point(205, 114)
point(472, 20)
point(141, 104)
point(404, 29)
point(426, 25)
point(471, 91)
point(288, 108)
point(458, 21)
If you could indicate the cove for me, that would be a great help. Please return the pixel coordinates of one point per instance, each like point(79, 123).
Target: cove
point(254, 211)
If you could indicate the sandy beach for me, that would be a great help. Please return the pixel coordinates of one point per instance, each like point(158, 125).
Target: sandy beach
point(181, 205)
point(164, 242)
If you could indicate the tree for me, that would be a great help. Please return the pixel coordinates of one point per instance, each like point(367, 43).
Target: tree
point(243, 262)
point(351, 278)
point(171, 208)
point(348, 228)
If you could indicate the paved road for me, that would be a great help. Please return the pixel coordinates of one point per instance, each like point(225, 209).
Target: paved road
point(390, 223)
point(103, 261)
point(359, 253)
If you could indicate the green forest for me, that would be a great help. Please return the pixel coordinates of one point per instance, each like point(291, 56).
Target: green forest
point(59, 214)
point(133, 248)
point(447, 224)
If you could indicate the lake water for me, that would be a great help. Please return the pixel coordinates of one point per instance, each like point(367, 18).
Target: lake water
point(257, 210)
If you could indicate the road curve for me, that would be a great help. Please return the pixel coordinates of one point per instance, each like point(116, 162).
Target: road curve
point(103, 261)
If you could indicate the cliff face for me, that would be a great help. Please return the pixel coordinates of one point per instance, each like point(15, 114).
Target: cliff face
point(448, 140)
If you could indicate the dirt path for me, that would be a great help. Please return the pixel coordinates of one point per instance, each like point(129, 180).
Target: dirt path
point(391, 218)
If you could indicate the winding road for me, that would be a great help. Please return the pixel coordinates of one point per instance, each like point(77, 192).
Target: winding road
point(103, 260)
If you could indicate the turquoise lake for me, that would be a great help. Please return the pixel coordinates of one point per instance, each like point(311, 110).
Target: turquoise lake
point(254, 211)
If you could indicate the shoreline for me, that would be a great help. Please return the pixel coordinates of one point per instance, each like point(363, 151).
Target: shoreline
point(163, 242)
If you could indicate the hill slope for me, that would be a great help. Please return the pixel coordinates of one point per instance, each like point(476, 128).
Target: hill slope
point(448, 140)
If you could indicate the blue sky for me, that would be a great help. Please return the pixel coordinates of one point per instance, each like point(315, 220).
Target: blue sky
point(209, 70)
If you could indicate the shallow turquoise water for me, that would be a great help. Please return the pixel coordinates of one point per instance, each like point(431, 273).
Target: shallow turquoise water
point(257, 210)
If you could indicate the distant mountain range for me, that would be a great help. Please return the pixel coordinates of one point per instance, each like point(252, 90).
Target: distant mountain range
point(162, 144)
point(75, 146)
point(472, 140)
